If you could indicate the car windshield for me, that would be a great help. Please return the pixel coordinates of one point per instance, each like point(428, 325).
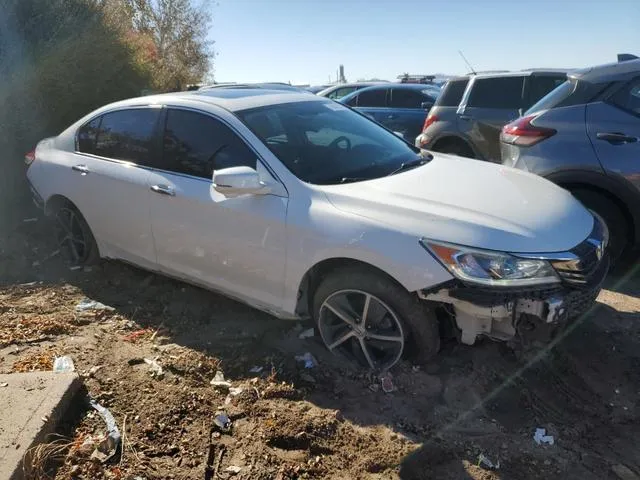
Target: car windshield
point(327, 143)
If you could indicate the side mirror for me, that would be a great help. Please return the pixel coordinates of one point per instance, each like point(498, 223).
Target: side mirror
point(236, 181)
point(426, 105)
point(400, 134)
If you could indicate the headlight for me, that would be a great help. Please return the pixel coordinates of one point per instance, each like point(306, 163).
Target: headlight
point(486, 267)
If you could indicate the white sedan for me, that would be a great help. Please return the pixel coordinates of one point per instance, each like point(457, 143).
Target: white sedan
point(302, 207)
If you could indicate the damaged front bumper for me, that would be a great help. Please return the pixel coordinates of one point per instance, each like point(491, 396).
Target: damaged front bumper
point(539, 312)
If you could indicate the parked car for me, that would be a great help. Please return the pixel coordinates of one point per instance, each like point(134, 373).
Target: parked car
point(400, 107)
point(335, 92)
point(467, 117)
point(585, 136)
point(318, 88)
point(302, 207)
point(266, 85)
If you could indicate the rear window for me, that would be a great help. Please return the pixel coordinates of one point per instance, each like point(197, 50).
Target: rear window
point(541, 85)
point(571, 92)
point(452, 93)
point(500, 92)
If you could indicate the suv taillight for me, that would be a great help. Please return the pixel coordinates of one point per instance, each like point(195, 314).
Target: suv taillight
point(521, 132)
point(30, 157)
point(430, 120)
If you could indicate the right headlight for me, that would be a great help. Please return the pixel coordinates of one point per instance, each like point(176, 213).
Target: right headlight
point(490, 268)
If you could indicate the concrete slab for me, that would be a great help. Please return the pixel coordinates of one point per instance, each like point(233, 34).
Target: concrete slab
point(31, 406)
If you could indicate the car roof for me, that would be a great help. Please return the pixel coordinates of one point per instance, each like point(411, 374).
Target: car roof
point(228, 98)
point(508, 73)
point(608, 72)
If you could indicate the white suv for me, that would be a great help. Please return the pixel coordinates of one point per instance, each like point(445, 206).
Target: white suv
point(303, 207)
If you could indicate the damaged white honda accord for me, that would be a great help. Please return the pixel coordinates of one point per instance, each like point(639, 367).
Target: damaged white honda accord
point(302, 207)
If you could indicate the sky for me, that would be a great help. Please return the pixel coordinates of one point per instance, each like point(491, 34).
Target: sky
point(304, 41)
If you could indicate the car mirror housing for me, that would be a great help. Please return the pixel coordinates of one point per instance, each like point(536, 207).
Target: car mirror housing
point(236, 181)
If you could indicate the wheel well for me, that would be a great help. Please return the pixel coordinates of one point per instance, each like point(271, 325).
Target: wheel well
point(54, 202)
point(451, 140)
point(571, 186)
point(311, 280)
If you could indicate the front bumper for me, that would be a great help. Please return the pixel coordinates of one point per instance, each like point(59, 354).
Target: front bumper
point(501, 313)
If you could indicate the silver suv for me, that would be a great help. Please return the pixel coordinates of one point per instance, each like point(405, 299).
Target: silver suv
point(469, 113)
point(584, 136)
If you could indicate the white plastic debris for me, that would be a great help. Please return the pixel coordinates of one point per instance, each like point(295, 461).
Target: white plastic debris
point(233, 469)
point(308, 359)
point(30, 220)
point(219, 381)
point(483, 461)
point(4, 384)
point(109, 445)
point(235, 391)
point(154, 368)
point(308, 333)
point(541, 437)
point(63, 365)
point(87, 304)
point(256, 369)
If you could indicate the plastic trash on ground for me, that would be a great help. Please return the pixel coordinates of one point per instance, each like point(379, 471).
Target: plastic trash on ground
point(483, 461)
point(256, 369)
point(308, 333)
point(154, 367)
point(108, 447)
point(222, 421)
point(63, 365)
point(308, 359)
point(233, 469)
point(541, 437)
point(219, 381)
point(87, 304)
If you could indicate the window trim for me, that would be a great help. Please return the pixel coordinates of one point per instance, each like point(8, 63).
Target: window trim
point(608, 99)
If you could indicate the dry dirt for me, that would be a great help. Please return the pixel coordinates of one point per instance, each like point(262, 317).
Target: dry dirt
point(331, 421)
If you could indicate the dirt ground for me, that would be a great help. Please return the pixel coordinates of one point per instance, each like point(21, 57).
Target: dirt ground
point(330, 421)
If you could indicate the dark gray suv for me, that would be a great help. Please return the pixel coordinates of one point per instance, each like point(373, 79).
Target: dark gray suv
point(585, 136)
point(470, 112)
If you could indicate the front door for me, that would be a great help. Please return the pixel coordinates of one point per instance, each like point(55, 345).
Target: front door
point(236, 245)
point(614, 130)
point(111, 179)
point(407, 114)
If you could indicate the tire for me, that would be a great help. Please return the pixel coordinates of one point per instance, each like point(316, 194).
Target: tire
point(619, 232)
point(418, 324)
point(75, 253)
point(456, 148)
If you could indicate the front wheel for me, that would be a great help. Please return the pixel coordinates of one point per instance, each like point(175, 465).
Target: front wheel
point(369, 318)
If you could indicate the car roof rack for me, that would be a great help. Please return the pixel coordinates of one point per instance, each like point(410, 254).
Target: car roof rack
point(412, 78)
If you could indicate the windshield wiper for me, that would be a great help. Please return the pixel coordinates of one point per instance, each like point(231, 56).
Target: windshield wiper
point(353, 179)
point(418, 162)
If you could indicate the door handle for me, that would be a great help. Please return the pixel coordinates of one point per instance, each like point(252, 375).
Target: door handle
point(80, 168)
point(163, 190)
point(616, 138)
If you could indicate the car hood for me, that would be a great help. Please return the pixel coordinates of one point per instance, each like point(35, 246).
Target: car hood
point(472, 203)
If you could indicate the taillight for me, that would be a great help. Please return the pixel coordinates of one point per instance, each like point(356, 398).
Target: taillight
point(30, 157)
point(521, 132)
point(430, 120)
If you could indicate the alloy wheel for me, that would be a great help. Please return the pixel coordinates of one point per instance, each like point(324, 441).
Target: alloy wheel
point(361, 326)
point(70, 235)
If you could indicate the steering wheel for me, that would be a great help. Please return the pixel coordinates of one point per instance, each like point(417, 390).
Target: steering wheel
point(339, 140)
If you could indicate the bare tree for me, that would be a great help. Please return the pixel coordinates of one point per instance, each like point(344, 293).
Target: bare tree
point(178, 30)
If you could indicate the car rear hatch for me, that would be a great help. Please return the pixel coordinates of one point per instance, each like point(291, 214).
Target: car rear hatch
point(444, 109)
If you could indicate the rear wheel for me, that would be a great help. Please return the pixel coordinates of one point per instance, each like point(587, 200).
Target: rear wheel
point(368, 318)
point(619, 232)
point(74, 236)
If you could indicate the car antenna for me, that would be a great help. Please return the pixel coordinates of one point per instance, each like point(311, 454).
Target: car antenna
point(467, 62)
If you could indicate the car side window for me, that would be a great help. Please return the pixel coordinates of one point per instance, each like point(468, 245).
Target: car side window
point(404, 98)
point(541, 85)
point(498, 92)
point(197, 144)
point(629, 97)
point(124, 135)
point(86, 139)
point(373, 98)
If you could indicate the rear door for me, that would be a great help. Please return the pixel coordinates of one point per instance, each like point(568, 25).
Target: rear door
point(110, 168)
point(614, 130)
point(406, 113)
point(490, 104)
point(232, 244)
